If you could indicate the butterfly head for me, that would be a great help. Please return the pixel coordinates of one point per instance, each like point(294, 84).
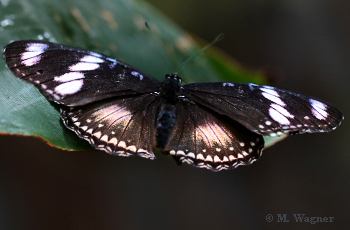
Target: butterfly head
point(170, 87)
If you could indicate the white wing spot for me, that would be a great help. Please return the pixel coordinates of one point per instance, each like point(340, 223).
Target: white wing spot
point(217, 159)
point(111, 66)
point(137, 74)
point(200, 157)
point(180, 152)
point(131, 148)
point(268, 87)
point(33, 53)
point(97, 135)
point(67, 77)
point(273, 96)
point(268, 122)
point(282, 110)
point(84, 66)
point(252, 86)
point(36, 47)
point(89, 131)
point(89, 58)
point(114, 141)
point(217, 149)
point(280, 114)
point(209, 158)
point(115, 62)
point(122, 144)
point(270, 91)
point(228, 84)
point(231, 157)
point(241, 144)
point(319, 109)
point(69, 87)
point(56, 97)
point(191, 155)
point(30, 59)
point(104, 138)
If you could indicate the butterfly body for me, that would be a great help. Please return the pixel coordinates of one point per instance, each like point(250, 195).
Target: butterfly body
point(166, 120)
point(124, 112)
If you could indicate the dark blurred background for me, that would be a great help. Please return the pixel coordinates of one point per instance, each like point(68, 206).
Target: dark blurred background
point(307, 41)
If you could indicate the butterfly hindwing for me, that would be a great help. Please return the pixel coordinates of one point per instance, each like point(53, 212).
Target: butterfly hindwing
point(206, 139)
point(73, 76)
point(121, 126)
point(266, 110)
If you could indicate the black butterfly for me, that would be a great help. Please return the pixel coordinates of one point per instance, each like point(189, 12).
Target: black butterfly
point(125, 112)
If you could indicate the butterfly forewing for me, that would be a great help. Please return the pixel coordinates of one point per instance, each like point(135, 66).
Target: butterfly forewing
point(121, 126)
point(264, 109)
point(73, 76)
point(206, 139)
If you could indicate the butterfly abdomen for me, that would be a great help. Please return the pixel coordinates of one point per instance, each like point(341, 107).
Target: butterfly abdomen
point(165, 124)
point(166, 118)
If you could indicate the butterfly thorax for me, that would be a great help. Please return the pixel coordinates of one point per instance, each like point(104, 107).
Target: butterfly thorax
point(166, 119)
point(169, 88)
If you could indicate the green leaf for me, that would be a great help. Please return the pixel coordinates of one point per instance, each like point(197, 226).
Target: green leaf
point(112, 27)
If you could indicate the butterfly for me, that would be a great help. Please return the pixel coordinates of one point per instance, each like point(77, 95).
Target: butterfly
point(124, 112)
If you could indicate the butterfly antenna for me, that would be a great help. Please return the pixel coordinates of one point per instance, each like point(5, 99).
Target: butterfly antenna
point(159, 47)
point(218, 38)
